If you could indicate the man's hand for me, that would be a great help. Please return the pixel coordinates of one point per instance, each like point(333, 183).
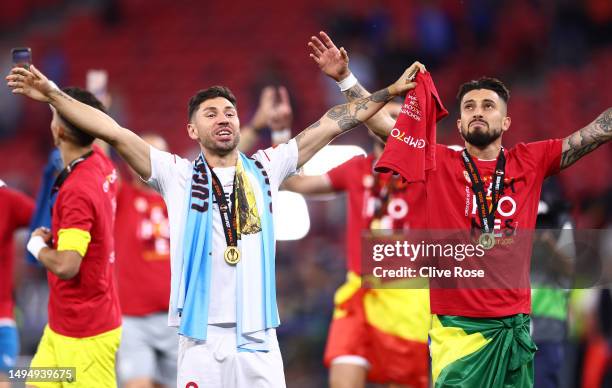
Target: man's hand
point(281, 118)
point(64, 264)
point(266, 104)
point(43, 232)
point(133, 149)
point(40, 239)
point(406, 81)
point(281, 114)
point(31, 83)
point(331, 60)
point(250, 131)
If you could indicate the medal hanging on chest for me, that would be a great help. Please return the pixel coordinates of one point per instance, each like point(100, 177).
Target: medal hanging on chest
point(486, 214)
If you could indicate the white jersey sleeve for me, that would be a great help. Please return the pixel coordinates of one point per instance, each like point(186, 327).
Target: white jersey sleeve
point(166, 170)
point(279, 161)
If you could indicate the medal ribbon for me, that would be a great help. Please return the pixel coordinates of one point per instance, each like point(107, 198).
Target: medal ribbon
point(228, 217)
point(486, 213)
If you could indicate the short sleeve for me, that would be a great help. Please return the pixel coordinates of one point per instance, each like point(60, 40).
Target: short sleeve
point(164, 167)
point(341, 176)
point(279, 161)
point(546, 156)
point(76, 211)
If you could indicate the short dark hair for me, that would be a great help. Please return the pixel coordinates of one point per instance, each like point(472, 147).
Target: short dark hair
point(77, 134)
point(207, 94)
point(484, 83)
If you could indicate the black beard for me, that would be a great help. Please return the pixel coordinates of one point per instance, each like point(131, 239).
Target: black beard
point(479, 138)
point(224, 149)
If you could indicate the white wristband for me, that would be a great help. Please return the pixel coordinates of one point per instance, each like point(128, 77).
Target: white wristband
point(35, 245)
point(347, 83)
point(282, 136)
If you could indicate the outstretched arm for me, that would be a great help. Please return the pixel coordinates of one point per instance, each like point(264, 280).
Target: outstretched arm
point(306, 184)
point(131, 147)
point(334, 63)
point(342, 118)
point(582, 142)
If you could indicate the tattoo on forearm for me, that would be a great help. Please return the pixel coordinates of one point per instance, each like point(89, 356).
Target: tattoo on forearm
point(587, 139)
point(347, 117)
point(570, 156)
point(381, 96)
point(605, 121)
point(337, 112)
point(61, 94)
point(361, 105)
point(355, 92)
point(347, 123)
point(301, 135)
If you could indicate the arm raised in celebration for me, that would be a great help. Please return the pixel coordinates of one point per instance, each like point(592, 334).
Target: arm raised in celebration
point(334, 62)
point(342, 118)
point(33, 84)
point(585, 140)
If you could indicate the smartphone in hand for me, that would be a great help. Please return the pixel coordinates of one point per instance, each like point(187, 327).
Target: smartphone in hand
point(22, 56)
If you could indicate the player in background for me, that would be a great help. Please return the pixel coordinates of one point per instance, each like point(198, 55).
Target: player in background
point(377, 334)
point(84, 326)
point(16, 210)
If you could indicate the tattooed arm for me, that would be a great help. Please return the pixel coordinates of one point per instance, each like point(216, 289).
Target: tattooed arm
point(581, 142)
point(382, 122)
point(96, 123)
point(342, 118)
point(334, 63)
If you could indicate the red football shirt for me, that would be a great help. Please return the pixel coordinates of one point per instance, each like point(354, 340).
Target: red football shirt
point(451, 205)
point(142, 239)
point(375, 201)
point(87, 304)
point(15, 212)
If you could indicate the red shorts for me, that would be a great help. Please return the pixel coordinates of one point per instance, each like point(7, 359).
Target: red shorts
point(386, 327)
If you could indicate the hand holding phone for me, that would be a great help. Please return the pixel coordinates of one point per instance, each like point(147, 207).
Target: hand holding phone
point(22, 57)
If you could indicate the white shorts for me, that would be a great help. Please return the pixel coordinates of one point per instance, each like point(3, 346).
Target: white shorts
point(149, 348)
point(216, 362)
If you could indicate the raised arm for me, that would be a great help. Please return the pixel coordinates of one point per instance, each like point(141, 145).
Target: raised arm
point(581, 142)
point(342, 118)
point(333, 62)
point(32, 83)
point(250, 132)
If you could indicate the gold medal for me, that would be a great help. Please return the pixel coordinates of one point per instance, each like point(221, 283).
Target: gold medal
point(231, 255)
point(487, 240)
